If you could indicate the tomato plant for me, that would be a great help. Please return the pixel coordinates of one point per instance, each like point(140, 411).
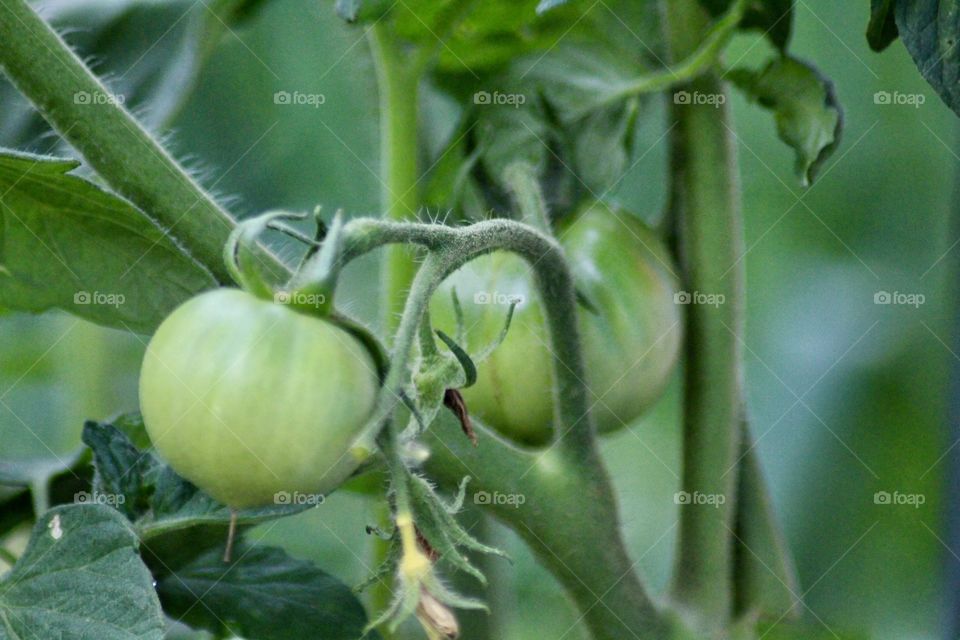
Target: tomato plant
point(629, 318)
point(250, 399)
point(505, 310)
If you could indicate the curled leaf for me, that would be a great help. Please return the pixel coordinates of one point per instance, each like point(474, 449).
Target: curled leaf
point(805, 108)
point(469, 369)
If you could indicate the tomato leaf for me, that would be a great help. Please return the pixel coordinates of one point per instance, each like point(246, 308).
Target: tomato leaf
point(263, 594)
point(773, 17)
point(570, 109)
point(175, 521)
point(931, 34)
point(120, 469)
point(882, 29)
point(805, 108)
point(80, 578)
point(65, 242)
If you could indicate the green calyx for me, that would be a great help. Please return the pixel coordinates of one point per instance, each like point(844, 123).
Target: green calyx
point(310, 290)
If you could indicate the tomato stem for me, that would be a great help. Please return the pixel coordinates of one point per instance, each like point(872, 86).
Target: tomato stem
point(521, 178)
point(706, 209)
point(398, 82)
point(124, 154)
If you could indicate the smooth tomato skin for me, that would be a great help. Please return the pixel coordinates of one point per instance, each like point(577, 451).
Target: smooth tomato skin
point(631, 346)
point(246, 398)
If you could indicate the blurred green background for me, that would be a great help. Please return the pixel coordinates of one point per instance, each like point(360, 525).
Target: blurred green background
point(848, 397)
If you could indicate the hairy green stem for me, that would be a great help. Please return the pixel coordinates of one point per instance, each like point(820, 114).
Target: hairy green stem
point(586, 552)
point(521, 178)
point(706, 208)
point(398, 80)
point(113, 143)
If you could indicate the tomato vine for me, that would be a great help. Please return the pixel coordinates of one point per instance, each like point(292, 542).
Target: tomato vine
point(419, 416)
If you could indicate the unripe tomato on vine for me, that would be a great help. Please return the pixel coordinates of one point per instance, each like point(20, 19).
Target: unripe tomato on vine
point(253, 394)
point(630, 325)
point(248, 399)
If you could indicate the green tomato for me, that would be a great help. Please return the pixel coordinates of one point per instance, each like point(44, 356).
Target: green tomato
point(248, 399)
point(631, 339)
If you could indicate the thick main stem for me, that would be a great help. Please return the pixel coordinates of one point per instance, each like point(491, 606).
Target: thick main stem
point(398, 80)
point(113, 143)
point(706, 207)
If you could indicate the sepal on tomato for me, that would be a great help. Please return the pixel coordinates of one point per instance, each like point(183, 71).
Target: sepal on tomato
point(240, 252)
point(317, 276)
